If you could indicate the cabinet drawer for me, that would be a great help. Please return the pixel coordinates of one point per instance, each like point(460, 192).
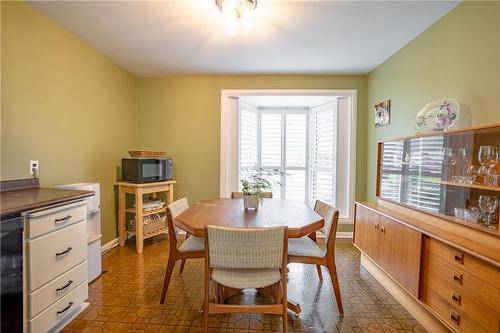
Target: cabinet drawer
point(48, 220)
point(61, 310)
point(462, 292)
point(458, 319)
point(51, 255)
point(477, 267)
point(57, 289)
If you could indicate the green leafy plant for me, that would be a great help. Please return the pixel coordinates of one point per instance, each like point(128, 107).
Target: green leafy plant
point(258, 182)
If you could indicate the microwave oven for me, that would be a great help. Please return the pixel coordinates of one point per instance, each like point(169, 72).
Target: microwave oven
point(146, 170)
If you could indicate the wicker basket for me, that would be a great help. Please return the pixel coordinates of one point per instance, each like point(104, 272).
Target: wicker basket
point(147, 153)
point(151, 227)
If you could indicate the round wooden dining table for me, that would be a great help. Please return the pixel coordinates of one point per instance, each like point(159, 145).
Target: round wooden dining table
point(300, 219)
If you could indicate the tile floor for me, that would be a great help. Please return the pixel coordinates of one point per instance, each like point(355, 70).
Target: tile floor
point(126, 298)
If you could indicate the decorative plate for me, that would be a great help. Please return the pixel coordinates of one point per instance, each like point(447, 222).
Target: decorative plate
point(439, 115)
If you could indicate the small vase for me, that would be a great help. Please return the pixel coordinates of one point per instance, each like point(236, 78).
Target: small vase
point(251, 202)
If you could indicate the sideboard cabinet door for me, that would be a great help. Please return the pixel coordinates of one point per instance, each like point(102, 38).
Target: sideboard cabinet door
point(399, 253)
point(366, 232)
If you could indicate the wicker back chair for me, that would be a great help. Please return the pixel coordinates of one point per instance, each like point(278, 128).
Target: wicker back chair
point(192, 247)
point(306, 251)
point(239, 258)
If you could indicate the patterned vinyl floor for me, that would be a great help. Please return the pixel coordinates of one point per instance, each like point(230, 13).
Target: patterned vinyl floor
point(125, 298)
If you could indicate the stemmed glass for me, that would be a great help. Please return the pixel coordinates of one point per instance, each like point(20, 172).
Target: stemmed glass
point(463, 160)
point(488, 159)
point(488, 204)
point(449, 159)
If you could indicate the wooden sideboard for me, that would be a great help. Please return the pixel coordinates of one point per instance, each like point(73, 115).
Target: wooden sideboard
point(451, 270)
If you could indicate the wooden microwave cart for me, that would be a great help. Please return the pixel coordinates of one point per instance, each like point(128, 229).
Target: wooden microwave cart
point(139, 190)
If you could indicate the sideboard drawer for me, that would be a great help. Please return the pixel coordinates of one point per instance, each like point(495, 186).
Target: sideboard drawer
point(57, 289)
point(52, 219)
point(460, 320)
point(477, 267)
point(461, 292)
point(51, 255)
point(59, 311)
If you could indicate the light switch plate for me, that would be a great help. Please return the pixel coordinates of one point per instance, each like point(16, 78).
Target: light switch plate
point(34, 165)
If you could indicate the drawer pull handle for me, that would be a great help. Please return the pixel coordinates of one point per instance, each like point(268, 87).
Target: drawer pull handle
point(455, 317)
point(376, 226)
point(456, 297)
point(64, 252)
point(457, 277)
point(65, 286)
point(62, 220)
point(382, 229)
point(70, 304)
point(459, 257)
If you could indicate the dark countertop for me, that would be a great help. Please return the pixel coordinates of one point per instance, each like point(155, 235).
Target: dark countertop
point(16, 201)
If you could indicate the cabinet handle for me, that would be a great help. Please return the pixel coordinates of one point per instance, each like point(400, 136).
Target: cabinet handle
point(376, 226)
point(64, 252)
point(65, 286)
point(455, 317)
point(62, 220)
point(457, 277)
point(70, 304)
point(456, 297)
point(382, 229)
point(459, 257)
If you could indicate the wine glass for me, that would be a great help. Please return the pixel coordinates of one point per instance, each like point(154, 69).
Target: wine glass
point(488, 159)
point(463, 159)
point(488, 204)
point(449, 159)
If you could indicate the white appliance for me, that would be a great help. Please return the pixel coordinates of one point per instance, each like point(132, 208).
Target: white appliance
point(93, 226)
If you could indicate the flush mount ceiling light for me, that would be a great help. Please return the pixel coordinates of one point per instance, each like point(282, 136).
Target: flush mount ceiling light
point(235, 12)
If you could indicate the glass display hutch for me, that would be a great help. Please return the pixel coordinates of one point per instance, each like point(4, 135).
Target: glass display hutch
point(454, 175)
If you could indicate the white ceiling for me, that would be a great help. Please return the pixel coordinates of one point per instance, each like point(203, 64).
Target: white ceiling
point(156, 38)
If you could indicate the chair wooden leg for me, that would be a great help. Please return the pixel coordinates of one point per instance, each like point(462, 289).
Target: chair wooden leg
point(168, 276)
point(332, 269)
point(320, 275)
point(183, 262)
point(285, 306)
point(206, 306)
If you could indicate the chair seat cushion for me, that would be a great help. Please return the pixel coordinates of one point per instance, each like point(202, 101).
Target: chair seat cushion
point(304, 247)
point(246, 278)
point(192, 243)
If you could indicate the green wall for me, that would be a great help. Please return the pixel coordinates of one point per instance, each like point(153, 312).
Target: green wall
point(64, 104)
point(182, 115)
point(457, 57)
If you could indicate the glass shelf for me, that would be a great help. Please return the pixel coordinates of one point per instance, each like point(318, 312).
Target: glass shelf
point(440, 174)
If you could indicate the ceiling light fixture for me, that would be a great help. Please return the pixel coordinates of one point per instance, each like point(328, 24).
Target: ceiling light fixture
point(236, 11)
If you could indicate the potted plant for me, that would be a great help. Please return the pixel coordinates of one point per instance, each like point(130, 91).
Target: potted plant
point(254, 186)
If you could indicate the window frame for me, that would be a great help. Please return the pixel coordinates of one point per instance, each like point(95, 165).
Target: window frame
point(229, 168)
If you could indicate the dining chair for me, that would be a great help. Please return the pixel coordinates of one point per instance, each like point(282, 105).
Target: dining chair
point(305, 250)
point(239, 195)
point(192, 247)
point(240, 258)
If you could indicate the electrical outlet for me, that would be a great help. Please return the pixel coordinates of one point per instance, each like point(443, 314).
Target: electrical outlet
point(34, 167)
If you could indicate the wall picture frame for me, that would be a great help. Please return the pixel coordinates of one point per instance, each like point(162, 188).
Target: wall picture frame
point(383, 113)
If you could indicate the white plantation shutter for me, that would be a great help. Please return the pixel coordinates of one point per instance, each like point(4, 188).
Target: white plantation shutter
point(249, 129)
point(271, 139)
point(296, 131)
point(299, 141)
point(323, 151)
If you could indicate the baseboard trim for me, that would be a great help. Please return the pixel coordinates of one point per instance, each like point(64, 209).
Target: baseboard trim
point(413, 306)
point(344, 234)
point(109, 245)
